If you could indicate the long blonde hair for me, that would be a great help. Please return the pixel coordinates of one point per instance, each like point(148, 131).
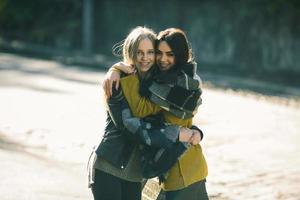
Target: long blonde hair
point(130, 45)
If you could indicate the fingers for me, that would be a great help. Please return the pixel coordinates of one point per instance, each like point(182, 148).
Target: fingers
point(104, 90)
point(185, 135)
point(189, 135)
point(117, 84)
point(115, 78)
point(191, 139)
point(106, 87)
point(195, 139)
point(131, 69)
point(109, 88)
point(128, 69)
point(107, 92)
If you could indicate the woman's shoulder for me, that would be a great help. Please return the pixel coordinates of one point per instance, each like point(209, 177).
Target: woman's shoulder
point(129, 79)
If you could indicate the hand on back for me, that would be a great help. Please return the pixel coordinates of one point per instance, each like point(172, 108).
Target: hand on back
point(113, 76)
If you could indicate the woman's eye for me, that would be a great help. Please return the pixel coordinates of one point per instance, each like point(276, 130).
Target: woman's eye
point(151, 52)
point(170, 54)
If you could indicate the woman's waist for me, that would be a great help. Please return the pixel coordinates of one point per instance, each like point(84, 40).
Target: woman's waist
point(190, 168)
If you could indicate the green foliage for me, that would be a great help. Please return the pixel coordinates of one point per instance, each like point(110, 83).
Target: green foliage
point(45, 22)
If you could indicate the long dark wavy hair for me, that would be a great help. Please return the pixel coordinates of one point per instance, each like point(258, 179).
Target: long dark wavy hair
point(178, 42)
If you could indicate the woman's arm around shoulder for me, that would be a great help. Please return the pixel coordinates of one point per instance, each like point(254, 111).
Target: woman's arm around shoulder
point(140, 106)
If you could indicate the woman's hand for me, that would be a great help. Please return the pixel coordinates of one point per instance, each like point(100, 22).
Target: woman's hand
point(185, 134)
point(110, 78)
point(191, 136)
point(124, 67)
point(113, 76)
point(196, 137)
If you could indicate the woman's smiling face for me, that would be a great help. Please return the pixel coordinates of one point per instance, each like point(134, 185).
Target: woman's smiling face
point(165, 57)
point(145, 55)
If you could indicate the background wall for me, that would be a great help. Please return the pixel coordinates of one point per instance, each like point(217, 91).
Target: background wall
point(257, 38)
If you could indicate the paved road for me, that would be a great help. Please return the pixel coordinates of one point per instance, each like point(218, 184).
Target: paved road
point(30, 177)
point(51, 115)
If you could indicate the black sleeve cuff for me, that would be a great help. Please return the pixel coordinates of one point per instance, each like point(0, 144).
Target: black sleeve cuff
point(198, 129)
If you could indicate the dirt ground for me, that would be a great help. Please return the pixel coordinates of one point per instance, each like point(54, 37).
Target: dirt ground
point(51, 115)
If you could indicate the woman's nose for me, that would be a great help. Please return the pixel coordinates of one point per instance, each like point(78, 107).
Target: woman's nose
point(163, 57)
point(144, 57)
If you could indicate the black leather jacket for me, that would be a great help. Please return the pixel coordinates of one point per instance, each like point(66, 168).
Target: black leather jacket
point(117, 143)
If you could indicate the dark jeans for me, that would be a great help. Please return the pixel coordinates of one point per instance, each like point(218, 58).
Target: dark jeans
point(108, 187)
point(196, 191)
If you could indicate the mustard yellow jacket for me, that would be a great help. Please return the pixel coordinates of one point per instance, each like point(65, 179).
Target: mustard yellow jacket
point(192, 166)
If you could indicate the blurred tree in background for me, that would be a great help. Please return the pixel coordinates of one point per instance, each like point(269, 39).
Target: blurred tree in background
point(249, 36)
point(53, 23)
